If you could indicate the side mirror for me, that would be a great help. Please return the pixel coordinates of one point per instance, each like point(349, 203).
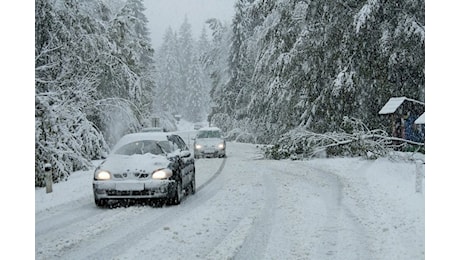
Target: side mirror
point(185, 154)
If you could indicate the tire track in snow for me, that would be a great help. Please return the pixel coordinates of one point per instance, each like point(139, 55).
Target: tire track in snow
point(248, 238)
point(214, 176)
point(254, 245)
point(62, 217)
point(54, 244)
point(342, 235)
point(217, 227)
point(213, 228)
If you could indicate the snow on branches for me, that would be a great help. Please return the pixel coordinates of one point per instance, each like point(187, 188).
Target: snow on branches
point(354, 139)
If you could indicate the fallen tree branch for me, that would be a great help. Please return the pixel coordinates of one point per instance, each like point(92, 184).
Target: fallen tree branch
point(357, 141)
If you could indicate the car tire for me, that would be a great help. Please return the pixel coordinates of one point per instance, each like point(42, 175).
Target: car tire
point(192, 185)
point(159, 203)
point(176, 197)
point(100, 202)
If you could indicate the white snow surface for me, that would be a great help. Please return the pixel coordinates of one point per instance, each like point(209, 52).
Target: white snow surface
point(141, 162)
point(247, 207)
point(391, 105)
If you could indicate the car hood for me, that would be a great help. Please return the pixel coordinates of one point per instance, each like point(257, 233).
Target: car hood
point(209, 141)
point(134, 163)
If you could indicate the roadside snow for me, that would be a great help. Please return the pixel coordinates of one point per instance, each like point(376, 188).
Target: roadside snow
point(75, 189)
point(382, 194)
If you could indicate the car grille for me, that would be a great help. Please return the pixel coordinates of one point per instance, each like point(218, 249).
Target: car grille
point(130, 193)
point(136, 175)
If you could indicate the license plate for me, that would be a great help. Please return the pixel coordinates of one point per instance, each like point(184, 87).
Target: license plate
point(129, 186)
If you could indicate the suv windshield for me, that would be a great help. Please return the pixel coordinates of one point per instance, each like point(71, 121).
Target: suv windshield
point(208, 134)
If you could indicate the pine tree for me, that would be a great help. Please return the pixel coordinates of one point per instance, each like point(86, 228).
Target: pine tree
point(200, 81)
point(186, 51)
point(216, 63)
point(168, 74)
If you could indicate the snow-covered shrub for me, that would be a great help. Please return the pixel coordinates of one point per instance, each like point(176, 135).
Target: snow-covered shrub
point(65, 138)
point(239, 135)
point(276, 151)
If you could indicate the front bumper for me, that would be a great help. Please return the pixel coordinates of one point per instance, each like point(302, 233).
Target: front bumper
point(133, 190)
point(209, 152)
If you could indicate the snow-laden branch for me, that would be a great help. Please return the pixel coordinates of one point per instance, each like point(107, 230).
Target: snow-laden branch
point(358, 140)
point(118, 101)
point(45, 51)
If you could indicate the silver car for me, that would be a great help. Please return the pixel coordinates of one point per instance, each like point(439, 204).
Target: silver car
point(209, 143)
point(154, 166)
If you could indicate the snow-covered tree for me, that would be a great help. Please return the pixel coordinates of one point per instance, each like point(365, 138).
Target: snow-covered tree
point(93, 63)
point(200, 83)
point(186, 47)
point(168, 92)
point(65, 81)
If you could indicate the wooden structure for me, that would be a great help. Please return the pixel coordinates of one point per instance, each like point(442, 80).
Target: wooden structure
point(404, 113)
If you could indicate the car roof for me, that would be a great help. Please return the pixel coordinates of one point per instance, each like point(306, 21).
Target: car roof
point(209, 128)
point(129, 138)
point(152, 129)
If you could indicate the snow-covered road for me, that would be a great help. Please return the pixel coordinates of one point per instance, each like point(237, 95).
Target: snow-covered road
point(246, 207)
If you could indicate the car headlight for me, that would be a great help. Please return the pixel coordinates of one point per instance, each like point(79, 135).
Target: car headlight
point(198, 146)
point(102, 175)
point(162, 174)
point(221, 146)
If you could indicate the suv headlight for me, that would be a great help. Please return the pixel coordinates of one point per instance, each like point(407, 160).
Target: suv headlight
point(162, 174)
point(198, 146)
point(102, 175)
point(221, 146)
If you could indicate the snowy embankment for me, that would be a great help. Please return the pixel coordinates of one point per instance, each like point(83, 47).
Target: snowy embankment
point(247, 207)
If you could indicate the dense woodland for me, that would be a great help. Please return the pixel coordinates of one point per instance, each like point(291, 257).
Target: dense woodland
point(308, 64)
point(280, 66)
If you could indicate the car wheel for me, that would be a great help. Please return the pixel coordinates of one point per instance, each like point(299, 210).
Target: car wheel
point(100, 202)
point(176, 198)
point(158, 203)
point(192, 185)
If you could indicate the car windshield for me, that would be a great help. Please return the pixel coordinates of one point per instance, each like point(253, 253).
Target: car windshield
point(208, 134)
point(145, 146)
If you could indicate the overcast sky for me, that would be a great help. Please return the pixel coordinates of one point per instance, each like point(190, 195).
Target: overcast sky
point(164, 13)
